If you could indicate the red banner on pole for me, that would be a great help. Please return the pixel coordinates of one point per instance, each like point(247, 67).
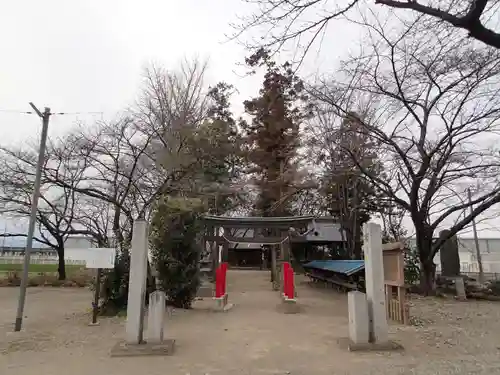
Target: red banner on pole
point(286, 267)
point(289, 285)
point(223, 267)
point(219, 288)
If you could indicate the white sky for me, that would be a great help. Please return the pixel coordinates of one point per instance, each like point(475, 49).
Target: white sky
point(88, 56)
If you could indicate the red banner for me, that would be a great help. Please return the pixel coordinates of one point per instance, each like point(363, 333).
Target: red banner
point(220, 280)
point(286, 267)
point(289, 284)
point(223, 267)
point(219, 286)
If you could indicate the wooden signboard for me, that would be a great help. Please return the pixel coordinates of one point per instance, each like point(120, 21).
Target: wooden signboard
point(394, 279)
point(394, 264)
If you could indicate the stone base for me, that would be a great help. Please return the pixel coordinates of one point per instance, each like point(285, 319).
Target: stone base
point(122, 349)
point(222, 303)
point(94, 324)
point(289, 306)
point(346, 343)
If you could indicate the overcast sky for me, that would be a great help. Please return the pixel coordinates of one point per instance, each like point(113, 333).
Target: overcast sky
point(88, 56)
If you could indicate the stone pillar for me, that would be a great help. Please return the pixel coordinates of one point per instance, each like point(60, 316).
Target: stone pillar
point(156, 317)
point(450, 258)
point(374, 279)
point(359, 330)
point(460, 289)
point(137, 283)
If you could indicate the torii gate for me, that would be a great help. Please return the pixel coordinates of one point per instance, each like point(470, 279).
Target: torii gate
point(220, 231)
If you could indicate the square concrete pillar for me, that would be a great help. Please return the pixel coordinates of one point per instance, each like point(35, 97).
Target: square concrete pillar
point(359, 330)
point(156, 317)
point(460, 289)
point(137, 283)
point(374, 279)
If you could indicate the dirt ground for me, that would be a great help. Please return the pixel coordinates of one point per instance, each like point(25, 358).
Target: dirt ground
point(253, 338)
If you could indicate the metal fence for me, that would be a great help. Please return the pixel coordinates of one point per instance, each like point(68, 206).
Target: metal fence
point(488, 276)
point(37, 259)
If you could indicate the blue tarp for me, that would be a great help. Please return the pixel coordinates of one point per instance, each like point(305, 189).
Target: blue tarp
point(346, 267)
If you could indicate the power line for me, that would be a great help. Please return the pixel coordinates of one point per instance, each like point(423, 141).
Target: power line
point(16, 111)
point(78, 113)
point(53, 113)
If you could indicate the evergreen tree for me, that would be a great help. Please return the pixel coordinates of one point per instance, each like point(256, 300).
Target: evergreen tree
point(175, 248)
point(273, 135)
point(220, 148)
point(349, 196)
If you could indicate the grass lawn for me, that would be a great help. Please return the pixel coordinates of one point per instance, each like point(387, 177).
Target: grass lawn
point(38, 268)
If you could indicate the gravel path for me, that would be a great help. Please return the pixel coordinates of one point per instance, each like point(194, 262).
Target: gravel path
point(450, 337)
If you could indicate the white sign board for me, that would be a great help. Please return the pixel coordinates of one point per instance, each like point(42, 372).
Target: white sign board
point(94, 257)
point(101, 257)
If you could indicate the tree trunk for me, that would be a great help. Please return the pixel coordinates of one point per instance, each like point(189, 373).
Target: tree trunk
point(427, 267)
point(428, 278)
point(61, 268)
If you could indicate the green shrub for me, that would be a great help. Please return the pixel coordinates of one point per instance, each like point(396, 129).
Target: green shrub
point(412, 266)
point(175, 248)
point(115, 285)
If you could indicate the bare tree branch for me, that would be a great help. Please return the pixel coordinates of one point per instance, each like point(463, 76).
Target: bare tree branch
point(431, 104)
point(302, 22)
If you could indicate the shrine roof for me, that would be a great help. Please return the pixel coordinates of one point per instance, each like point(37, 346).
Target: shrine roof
point(254, 221)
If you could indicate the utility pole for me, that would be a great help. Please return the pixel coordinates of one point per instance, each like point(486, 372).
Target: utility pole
point(34, 206)
point(476, 240)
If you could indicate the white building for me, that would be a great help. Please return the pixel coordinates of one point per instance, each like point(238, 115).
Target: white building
point(489, 250)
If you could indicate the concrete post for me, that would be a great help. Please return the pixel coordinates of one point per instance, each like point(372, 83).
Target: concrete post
point(156, 317)
point(374, 279)
point(137, 283)
point(359, 330)
point(460, 288)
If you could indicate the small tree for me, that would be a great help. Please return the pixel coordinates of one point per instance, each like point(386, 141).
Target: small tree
point(175, 248)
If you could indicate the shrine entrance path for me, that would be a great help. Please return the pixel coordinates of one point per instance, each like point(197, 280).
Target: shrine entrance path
point(252, 338)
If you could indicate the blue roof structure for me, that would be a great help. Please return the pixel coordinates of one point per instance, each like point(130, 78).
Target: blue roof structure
point(346, 267)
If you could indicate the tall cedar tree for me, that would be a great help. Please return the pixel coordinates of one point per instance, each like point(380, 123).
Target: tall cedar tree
point(272, 136)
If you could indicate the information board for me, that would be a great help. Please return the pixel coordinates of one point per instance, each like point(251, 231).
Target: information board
point(94, 257)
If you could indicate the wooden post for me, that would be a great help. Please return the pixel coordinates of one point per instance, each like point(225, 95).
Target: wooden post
point(211, 231)
point(274, 273)
point(388, 296)
point(225, 252)
point(97, 291)
point(285, 251)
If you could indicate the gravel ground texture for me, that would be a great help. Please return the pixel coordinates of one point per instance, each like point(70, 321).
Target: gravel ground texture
point(253, 338)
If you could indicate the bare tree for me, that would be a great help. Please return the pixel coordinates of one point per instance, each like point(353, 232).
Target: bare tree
point(347, 194)
point(93, 218)
point(433, 110)
point(56, 205)
point(152, 151)
point(302, 22)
